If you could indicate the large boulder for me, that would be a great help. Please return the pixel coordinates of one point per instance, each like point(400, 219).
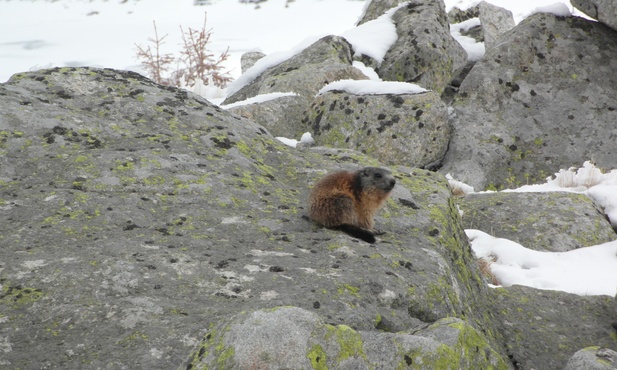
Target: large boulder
point(593, 358)
point(134, 218)
point(604, 11)
point(407, 129)
point(254, 340)
point(495, 22)
point(281, 116)
point(327, 60)
point(555, 222)
point(248, 59)
point(456, 15)
point(425, 52)
point(541, 100)
point(542, 329)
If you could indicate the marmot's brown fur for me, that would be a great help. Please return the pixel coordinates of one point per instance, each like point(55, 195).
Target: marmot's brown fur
point(348, 200)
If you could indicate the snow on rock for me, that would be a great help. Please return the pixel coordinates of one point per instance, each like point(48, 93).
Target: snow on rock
point(374, 38)
point(269, 61)
point(559, 9)
point(368, 71)
point(370, 87)
point(585, 271)
point(461, 186)
point(588, 180)
point(606, 195)
point(520, 9)
point(306, 138)
point(259, 99)
point(474, 49)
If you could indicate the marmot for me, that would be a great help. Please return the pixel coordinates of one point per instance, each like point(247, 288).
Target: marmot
point(348, 201)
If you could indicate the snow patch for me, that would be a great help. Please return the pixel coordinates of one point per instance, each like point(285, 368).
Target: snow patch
point(259, 99)
point(475, 50)
point(374, 38)
point(369, 87)
point(267, 62)
point(588, 180)
point(306, 138)
point(558, 9)
point(584, 271)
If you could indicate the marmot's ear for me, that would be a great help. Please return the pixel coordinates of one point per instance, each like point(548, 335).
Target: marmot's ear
point(366, 172)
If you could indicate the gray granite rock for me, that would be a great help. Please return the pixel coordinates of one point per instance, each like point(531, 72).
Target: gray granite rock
point(424, 53)
point(604, 11)
point(541, 100)
point(593, 358)
point(293, 338)
point(495, 22)
point(281, 116)
point(327, 60)
point(248, 59)
point(456, 15)
point(543, 329)
point(376, 8)
point(134, 218)
point(555, 222)
point(406, 129)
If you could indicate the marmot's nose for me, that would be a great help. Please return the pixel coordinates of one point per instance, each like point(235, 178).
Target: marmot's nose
point(391, 183)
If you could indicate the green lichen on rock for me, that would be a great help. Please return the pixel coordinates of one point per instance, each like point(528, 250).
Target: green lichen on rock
point(349, 289)
point(349, 342)
point(318, 358)
point(447, 344)
point(471, 346)
point(16, 296)
point(212, 346)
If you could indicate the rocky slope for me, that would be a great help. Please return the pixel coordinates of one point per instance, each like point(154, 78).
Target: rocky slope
point(143, 227)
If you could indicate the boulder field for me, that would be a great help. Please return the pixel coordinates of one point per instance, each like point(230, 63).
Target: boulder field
point(143, 227)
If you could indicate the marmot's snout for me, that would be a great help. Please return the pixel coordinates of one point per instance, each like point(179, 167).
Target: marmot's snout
point(390, 184)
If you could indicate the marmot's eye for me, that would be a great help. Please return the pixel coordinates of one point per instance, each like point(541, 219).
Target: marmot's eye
point(378, 176)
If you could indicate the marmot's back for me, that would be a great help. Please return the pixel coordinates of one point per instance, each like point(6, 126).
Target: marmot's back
point(349, 200)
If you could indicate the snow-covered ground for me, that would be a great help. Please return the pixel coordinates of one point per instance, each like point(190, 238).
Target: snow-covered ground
point(584, 271)
point(44, 33)
point(103, 33)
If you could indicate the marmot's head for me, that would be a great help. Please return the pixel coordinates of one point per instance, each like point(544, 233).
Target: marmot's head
point(374, 177)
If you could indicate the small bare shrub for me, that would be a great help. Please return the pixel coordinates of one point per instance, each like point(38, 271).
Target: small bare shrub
point(154, 63)
point(195, 62)
point(485, 270)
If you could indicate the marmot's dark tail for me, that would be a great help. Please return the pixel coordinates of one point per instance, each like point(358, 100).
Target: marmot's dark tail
point(358, 232)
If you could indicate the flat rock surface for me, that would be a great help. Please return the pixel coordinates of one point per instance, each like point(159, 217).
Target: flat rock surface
point(555, 222)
